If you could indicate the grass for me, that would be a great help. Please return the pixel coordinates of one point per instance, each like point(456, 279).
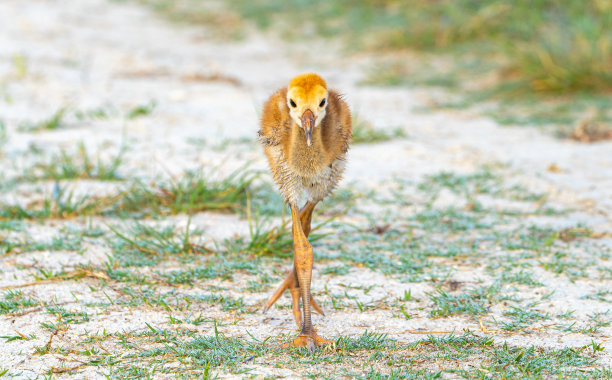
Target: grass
point(266, 238)
point(142, 251)
point(450, 219)
point(3, 134)
point(12, 301)
point(195, 191)
point(365, 133)
point(227, 25)
point(512, 362)
point(155, 351)
point(62, 242)
point(66, 317)
point(543, 52)
point(60, 204)
point(476, 301)
point(79, 165)
point(547, 46)
point(143, 244)
point(522, 317)
point(188, 301)
point(186, 279)
point(60, 118)
point(54, 122)
point(141, 110)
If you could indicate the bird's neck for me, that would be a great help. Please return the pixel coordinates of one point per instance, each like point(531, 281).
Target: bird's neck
point(304, 159)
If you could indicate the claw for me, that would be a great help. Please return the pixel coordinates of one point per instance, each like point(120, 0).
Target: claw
point(310, 344)
point(311, 341)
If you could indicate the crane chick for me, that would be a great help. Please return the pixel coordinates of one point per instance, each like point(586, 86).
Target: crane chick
point(305, 132)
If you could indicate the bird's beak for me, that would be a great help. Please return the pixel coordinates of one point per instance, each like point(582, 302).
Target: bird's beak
point(308, 121)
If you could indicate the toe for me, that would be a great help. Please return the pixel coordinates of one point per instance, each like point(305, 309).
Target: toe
point(315, 306)
point(297, 313)
point(311, 342)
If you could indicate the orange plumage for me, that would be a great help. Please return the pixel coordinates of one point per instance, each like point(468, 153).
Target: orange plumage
point(296, 166)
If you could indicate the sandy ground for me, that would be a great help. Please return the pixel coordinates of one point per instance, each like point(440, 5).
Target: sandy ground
point(101, 53)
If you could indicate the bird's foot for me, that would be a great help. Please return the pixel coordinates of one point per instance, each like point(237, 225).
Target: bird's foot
point(311, 341)
point(291, 283)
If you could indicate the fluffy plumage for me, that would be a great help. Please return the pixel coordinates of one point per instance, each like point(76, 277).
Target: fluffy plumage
point(306, 173)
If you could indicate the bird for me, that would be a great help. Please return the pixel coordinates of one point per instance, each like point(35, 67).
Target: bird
point(305, 132)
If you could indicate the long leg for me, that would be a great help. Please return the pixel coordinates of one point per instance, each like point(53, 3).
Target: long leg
point(291, 281)
point(302, 260)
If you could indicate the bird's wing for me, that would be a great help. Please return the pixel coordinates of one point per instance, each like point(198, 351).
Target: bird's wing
point(275, 119)
point(337, 125)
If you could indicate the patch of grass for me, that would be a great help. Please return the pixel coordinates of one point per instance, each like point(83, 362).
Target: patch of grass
point(141, 110)
point(449, 220)
point(527, 53)
point(203, 353)
point(13, 300)
point(180, 351)
point(223, 145)
point(227, 303)
point(591, 325)
point(394, 374)
point(505, 361)
point(60, 204)
point(560, 262)
point(76, 166)
point(66, 317)
point(265, 200)
point(475, 301)
point(222, 267)
point(337, 270)
point(12, 225)
point(194, 192)
point(146, 245)
point(61, 242)
point(521, 277)
point(223, 23)
point(342, 200)
point(391, 254)
point(547, 45)
point(482, 181)
point(3, 134)
point(522, 318)
point(365, 133)
point(602, 295)
point(267, 238)
point(55, 121)
point(98, 113)
point(534, 238)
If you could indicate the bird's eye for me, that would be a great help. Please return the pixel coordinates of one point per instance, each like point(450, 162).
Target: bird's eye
point(322, 103)
point(292, 103)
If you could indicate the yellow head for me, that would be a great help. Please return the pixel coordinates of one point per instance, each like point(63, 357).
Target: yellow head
point(307, 100)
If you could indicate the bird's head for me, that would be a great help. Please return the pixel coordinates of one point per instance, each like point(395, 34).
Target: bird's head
point(307, 101)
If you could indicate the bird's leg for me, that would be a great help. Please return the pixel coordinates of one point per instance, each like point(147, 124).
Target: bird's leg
point(306, 217)
point(302, 260)
point(305, 221)
point(291, 281)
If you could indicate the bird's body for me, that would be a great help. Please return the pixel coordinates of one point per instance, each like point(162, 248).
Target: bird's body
point(305, 132)
point(305, 173)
